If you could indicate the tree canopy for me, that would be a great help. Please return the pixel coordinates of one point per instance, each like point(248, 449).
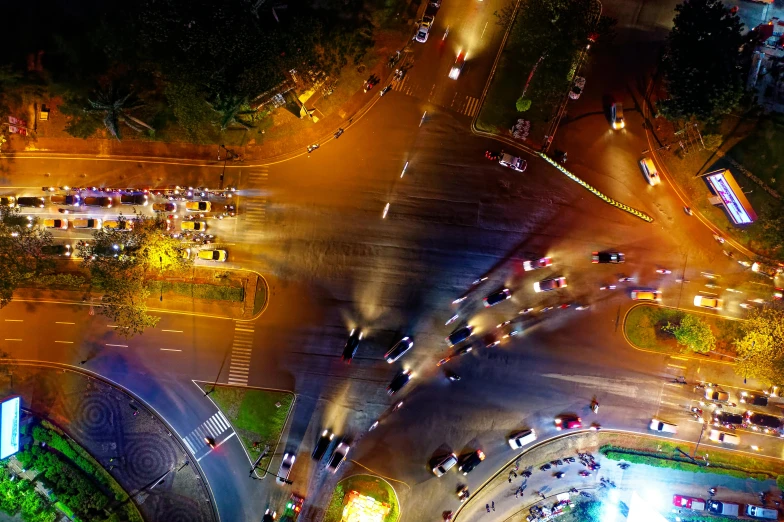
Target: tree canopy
point(21, 252)
point(701, 65)
point(761, 349)
point(694, 333)
point(121, 263)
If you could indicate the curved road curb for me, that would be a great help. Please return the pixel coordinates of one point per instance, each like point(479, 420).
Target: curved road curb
point(92, 375)
point(678, 355)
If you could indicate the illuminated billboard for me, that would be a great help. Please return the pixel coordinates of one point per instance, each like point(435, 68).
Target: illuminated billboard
point(726, 188)
point(9, 426)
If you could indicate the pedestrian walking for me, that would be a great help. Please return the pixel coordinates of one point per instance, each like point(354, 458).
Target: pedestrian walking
point(510, 478)
point(487, 507)
point(493, 506)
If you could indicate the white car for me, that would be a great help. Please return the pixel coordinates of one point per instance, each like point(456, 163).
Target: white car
point(662, 426)
point(649, 171)
point(713, 303)
point(723, 436)
point(285, 468)
point(424, 29)
point(454, 72)
point(445, 464)
point(518, 440)
point(546, 285)
point(512, 162)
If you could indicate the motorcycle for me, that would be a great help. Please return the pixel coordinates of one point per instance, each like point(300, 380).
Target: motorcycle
point(595, 427)
point(463, 493)
point(385, 90)
point(626, 280)
point(663, 271)
point(719, 239)
point(373, 426)
point(210, 442)
point(446, 33)
point(338, 133)
point(452, 376)
point(313, 147)
point(687, 210)
point(584, 473)
point(609, 287)
point(525, 311)
point(582, 307)
point(560, 475)
point(595, 407)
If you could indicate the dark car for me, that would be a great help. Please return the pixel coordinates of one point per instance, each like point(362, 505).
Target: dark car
point(133, 199)
point(338, 456)
point(56, 250)
point(98, 201)
point(165, 207)
point(400, 380)
point(728, 419)
point(397, 351)
point(352, 343)
point(71, 199)
point(497, 297)
point(756, 400)
point(762, 421)
point(469, 462)
point(607, 257)
point(7, 201)
point(322, 444)
point(30, 202)
point(459, 335)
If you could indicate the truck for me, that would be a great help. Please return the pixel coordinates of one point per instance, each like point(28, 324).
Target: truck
point(293, 508)
point(723, 508)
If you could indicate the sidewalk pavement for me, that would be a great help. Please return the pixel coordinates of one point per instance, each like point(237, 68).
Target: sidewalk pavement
point(657, 485)
point(129, 440)
point(252, 282)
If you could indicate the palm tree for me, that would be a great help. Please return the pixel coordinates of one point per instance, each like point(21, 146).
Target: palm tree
point(117, 109)
point(231, 109)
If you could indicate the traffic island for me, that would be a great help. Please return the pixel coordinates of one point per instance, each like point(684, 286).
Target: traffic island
point(654, 328)
point(363, 498)
point(257, 415)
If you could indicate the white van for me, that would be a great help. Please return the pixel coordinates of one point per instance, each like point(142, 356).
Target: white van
point(518, 440)
point(762, 512)
point(650, 172)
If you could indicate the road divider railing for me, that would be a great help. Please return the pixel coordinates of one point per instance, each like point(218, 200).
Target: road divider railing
point(607, 199)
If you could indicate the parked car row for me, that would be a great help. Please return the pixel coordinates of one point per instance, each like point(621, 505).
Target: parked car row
point(719, 507)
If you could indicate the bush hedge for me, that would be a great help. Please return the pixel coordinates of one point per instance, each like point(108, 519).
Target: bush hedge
point(682, 464)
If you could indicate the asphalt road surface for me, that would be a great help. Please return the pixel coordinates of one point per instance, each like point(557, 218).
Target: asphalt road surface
point(315, 225)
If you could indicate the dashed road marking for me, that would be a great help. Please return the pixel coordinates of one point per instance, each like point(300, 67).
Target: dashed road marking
point(470, 106)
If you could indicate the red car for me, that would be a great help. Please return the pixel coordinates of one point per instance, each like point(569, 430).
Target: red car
point(568, 421)
point(697, 504)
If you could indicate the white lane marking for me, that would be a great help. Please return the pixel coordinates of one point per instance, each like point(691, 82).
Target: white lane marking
point(112, 326)
point(62, 322)
point(483, 31)
point(676, 366)
point(243, 330)
point(64, 342)
point(170, 350)
point(118, 345)
point(13, 339)
point(14, 320)
point(173, 331)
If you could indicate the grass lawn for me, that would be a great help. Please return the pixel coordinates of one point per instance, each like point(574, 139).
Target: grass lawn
point(366, 485)
point(198, 290)
point(254, 414)
point(733, 463)
point(643, 326)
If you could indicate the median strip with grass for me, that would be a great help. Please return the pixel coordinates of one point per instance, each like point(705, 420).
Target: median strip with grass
point(536, 65)
point(640, 449)
point(258, 416)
